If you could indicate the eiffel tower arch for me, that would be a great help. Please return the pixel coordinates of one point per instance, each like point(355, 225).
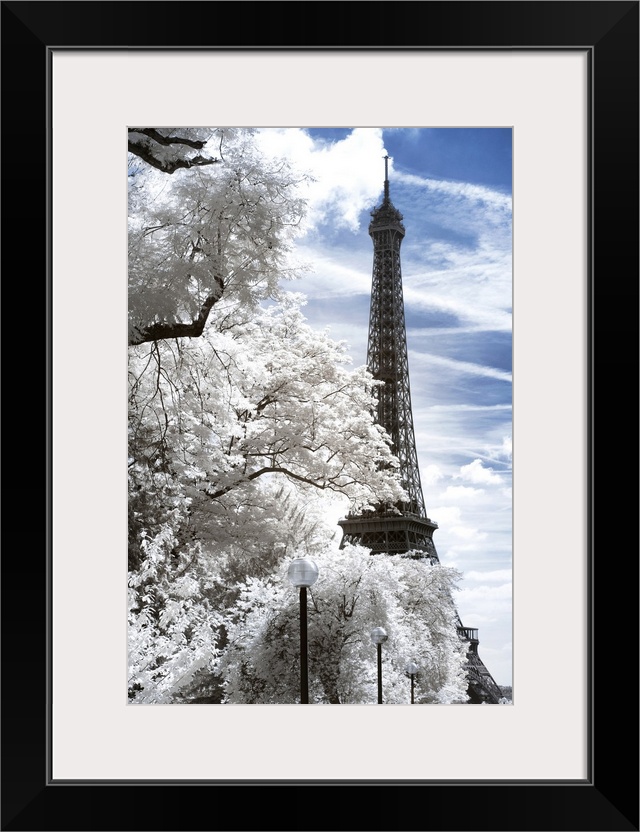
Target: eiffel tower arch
point(404, 527)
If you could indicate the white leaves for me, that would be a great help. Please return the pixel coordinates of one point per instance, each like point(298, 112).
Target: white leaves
point(355, 591)
point(226, 227)
point(268, 396)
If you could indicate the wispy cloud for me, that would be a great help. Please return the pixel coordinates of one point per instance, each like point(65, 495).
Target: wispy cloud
point(460, 190)
point(452, 365)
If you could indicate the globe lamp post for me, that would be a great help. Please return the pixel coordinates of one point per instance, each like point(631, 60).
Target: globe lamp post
point(378, 637)
point(411, 668)
point(303, 573)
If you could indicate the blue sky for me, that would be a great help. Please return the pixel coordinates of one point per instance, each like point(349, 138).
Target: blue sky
point(454, 189)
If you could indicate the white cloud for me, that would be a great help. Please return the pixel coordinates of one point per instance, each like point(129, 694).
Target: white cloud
point(457, 527)
point(506, 449)
point(497, 576)
point(347, 173)
point(431, 475)
point(486, 597)
point(476, 472)
point(449, 516)
point(461, 492)
point(468, 533)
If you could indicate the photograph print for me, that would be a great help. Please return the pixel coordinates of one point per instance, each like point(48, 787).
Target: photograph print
point(319, 415)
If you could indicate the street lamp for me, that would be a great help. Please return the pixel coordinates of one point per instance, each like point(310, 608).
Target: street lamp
point(411, 668)
point(303, 572)
point(378, 637)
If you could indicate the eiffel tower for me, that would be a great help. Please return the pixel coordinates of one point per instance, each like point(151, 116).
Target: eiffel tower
point(404, 528)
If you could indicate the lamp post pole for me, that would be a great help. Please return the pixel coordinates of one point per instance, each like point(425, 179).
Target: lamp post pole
point(379, 636)
point(302, 573)
point(411, 668)
point(304, 666)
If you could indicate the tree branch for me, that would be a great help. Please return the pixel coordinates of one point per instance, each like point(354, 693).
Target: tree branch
point(143, 150)
point(280, 470)
point(167, 140)
point(169, 329)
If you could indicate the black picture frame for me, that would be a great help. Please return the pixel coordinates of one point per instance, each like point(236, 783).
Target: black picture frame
point(608, 798)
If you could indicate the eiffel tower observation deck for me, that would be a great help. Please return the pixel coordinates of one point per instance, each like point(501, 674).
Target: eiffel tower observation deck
point(403, 528)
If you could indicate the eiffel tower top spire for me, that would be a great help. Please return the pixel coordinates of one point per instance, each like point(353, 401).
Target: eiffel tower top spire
point(386, 178)
point(386, 214)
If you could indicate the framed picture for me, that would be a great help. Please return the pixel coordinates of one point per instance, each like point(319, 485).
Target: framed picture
point(564, 77)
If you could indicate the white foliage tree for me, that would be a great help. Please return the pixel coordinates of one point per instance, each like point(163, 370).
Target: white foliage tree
point(173, 626)
point(230, 435)
point(355, 592)
point(268, 398)
point(204, 226)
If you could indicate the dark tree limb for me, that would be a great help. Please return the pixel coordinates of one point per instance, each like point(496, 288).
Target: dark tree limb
point(167, 329)
point(145, 152)
point(196, 144)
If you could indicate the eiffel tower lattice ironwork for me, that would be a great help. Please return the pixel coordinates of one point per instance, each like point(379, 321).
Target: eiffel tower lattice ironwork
point(404, 528)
